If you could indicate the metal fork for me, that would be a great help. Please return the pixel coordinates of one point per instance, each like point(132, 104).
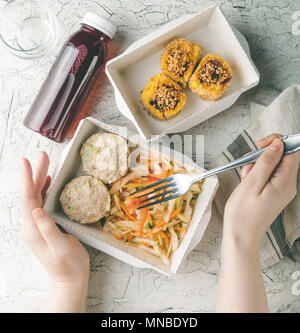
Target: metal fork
point(179, 184)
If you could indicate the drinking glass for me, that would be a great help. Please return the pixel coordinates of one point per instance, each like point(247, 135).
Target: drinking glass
point(28, 28)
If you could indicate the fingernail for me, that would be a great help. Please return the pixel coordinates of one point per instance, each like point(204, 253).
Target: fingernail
point(276, 145)
point(38, 214)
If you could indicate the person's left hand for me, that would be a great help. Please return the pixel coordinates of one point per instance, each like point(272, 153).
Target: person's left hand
point(66, 260)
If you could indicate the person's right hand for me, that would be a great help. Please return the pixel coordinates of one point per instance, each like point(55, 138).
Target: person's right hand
point(65, 259)
point(266, 188)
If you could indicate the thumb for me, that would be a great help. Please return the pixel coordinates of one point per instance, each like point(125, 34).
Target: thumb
point(265, 165)
point(54, 238)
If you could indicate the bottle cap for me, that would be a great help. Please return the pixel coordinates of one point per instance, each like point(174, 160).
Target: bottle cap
point(99, 23)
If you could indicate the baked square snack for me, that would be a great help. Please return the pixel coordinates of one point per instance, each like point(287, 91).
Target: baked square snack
point(179, 60)
point(162, 97)
point(211, 78)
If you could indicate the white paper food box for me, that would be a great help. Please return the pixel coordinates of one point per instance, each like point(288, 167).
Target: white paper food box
point(69, 166)
point(130, 71)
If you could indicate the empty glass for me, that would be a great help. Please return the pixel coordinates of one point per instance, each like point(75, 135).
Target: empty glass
point(28, 28)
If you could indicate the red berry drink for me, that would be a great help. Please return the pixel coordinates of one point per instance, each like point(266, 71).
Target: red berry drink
point(70, 79)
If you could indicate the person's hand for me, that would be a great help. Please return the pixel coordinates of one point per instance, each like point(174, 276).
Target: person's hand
point(65, 259)
point(266, 188)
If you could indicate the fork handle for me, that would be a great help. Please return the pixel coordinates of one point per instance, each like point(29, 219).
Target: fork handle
point(291, 145)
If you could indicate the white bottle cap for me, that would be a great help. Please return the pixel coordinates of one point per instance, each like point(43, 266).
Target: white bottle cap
point(99, 23)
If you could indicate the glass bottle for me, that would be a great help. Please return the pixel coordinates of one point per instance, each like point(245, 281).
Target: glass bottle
point(70, 79)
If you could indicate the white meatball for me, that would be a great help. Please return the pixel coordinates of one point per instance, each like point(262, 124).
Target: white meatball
point(85, 199)
point(105, 156)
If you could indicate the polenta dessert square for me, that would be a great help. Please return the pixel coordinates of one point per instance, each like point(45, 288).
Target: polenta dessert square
point(211, 78)
point(162, 97)
point(179, 60)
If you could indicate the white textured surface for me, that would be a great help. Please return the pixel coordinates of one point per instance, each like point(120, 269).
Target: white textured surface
point(115, 286)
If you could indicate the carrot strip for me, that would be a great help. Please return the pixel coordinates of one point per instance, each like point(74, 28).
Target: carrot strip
point(127, 212)
point(174, 213)
point(138, 194)
point(132, 218)
point(165, 237)
point(137, 184)
point(160, 224)
point(145, 243)
point(165, 174)
point(115, 235)
point(129, 236)
point(180, 228)
point(153, 178)
point(168, 172)
point(144, 214)
point(155, 229)
point(156, 176)
point(150, 219)
point(160, 192)
point(137, 180)
point(142, 193)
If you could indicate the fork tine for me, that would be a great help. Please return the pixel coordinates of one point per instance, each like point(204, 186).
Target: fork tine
point(157, 189)
point(160, 201)
point(159, 195)
point(164, 180)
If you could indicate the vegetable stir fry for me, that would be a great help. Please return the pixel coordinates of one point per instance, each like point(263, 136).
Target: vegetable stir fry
point(158, 229)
